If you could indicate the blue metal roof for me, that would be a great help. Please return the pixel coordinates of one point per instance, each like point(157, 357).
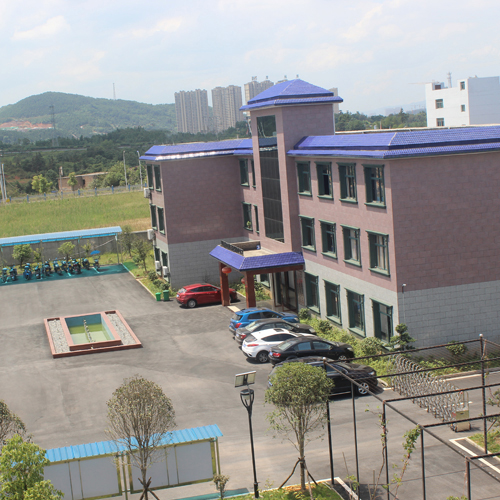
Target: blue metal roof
point(62, 236)
point(402, 143)
point(242, 263)
point(199, 149)
point(291, 92)
point(110, 448)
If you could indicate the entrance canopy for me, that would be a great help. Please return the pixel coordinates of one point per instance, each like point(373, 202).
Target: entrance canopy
point(250, 258)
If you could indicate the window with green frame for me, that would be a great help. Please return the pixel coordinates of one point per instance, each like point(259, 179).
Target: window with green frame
point(161, 220)
point(347, 176)
point(149, 169)
point(324, 171)
point(382, 321)
point(244, 173)
point(332, 295)
point(157, 254)
point(256, 212)
point(356, 309)
point(304, 178)
point(328, 239)
point(374, 183)
point(312, 292)
point(308, 238)
point(164, 259)
point(153, 216)
point(157, 178)
point(247, 216)
point(379, 252)
point(253, 173)
point(352, 250)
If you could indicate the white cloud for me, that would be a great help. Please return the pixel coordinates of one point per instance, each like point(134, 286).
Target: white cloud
point(167, 25)
point(364, 27)
point(51, 27)
point(81, 70)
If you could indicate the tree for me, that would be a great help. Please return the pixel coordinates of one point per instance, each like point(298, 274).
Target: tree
point(10, 424)
point(40, 184)
point(72, 181)
point(141, 250)
point(37, 254)
point(66, 249)
point(298, 393)
point(402, 341)
point(44, 490)
point(139, 417)
point(21, 469)
point(127, 239)
point(22, 253)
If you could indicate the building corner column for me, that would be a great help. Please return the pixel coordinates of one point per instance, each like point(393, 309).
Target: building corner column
point(224, 286)
point(250, 289)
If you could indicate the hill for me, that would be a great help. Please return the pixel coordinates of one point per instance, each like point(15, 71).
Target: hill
point(78, 115)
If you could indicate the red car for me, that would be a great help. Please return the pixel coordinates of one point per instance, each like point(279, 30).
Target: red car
point(202, 293)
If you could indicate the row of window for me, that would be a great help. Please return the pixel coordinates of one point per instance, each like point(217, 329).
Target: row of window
point(374, 182)
point(244, 176)
point(157, 177)
point(378, 243)
point(157, 218)
point(382, 313)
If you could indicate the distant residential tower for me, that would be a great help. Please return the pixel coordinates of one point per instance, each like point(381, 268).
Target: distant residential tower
point(226, 103)
point(191, 109)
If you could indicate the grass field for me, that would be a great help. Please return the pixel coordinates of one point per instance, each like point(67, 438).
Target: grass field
point(75, 213)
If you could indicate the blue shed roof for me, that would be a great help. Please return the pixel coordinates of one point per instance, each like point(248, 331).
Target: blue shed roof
point(109, 447)
point(291, 92)
point(62, 236)
point(199, 149)
point(242, 263)
point(402, 143)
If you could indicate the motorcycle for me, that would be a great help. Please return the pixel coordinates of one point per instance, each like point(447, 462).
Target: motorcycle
point(28, 273)
point(86, 264)
point(97, 266)
point(77, 268)
point(38, 273)
point(57, 267)
point(70, 267)
point(64, 266)
point(47, 269)
point(5, 276)
point(13, 273)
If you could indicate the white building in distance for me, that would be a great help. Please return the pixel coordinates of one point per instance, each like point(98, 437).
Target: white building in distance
point(474, 101)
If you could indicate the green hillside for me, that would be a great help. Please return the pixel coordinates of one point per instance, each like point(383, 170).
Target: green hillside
point(79, 115)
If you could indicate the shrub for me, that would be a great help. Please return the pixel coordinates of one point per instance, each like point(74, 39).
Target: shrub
point(456, 348)
point(370, 346)
point(304, 314)
point(324, 327)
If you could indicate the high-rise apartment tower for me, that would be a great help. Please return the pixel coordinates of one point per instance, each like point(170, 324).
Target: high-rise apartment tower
point(191, 109)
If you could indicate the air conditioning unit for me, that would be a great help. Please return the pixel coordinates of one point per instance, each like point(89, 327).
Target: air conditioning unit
point(157, 265)
point(165, 271)
point(147, 193)
point(151, 234)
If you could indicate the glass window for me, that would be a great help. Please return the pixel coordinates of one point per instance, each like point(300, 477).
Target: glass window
point(303, 346)
point(304, 178)
point(161, 220)
point(264, 279)
point(157, 254)
point(164, 259)
point(355, 303)
point(256, 211)
point(462, 108)
point(149, 169)
point(312, 295)
point(308, 239)
point(157, 178)
point(379, 252)
point(439, 103)
point(271, 194)
point(323, 346)
point(153, 217)
point(328, 239)
point(347, 175)
point(253, 173)
point(462, 85)
point(382, 321)
point(247, 216)
point(352, 252)
point(244, 172)
point(440, 122)
point(332, 295)
point(374, 182)
point(324, 179)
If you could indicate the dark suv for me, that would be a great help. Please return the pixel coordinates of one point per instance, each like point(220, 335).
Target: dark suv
point(301, 347)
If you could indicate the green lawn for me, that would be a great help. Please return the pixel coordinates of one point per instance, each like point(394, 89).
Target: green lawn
point(70, 214)
point(320, 492)
point(493, 440)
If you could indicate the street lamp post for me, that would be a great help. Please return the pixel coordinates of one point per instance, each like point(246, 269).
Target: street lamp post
point(140, 168)
point(247, 396)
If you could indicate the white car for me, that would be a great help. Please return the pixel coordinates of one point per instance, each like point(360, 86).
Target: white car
point(258, 344)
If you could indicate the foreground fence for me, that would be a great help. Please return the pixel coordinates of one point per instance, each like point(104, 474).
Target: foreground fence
point(85, 193)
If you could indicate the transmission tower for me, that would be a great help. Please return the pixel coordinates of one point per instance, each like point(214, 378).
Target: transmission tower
point(55, 142)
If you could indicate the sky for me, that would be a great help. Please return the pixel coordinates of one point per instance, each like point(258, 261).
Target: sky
point(379, 53)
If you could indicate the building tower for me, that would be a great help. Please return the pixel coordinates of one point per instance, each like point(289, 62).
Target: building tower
point(191, 109)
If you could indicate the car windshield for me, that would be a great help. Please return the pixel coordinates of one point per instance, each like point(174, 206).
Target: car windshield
point(250, 338)
point(285, 345)
point(252, 326)
point(237, 317)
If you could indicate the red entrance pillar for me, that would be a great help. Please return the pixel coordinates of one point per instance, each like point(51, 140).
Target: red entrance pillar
point(224, 285)
point(250, 289)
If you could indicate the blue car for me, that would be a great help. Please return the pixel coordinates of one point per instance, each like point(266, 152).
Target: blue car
point(247, 316)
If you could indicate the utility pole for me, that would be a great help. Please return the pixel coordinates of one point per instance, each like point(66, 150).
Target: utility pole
point(125, 168)
point(3, 185)
point(140, 168)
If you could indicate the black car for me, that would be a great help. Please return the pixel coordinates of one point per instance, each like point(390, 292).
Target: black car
point(265, 324)
point(366, 376)
point(310, 346)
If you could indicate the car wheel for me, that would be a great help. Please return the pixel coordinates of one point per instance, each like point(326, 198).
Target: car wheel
point(191, 303)
point(262, 357)
point(363, 388)
point(342, 357)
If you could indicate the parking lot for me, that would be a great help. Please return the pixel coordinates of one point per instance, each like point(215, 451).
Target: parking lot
point(192, 355)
